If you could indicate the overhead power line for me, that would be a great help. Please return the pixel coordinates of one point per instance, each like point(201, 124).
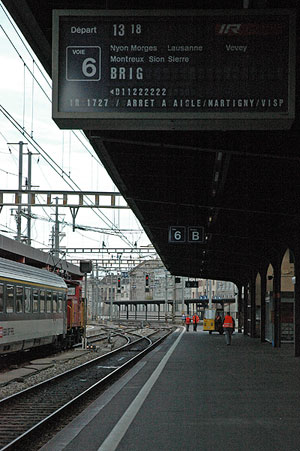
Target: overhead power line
point(68, 179)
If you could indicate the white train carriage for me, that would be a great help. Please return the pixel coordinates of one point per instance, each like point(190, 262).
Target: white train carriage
point(32, 307)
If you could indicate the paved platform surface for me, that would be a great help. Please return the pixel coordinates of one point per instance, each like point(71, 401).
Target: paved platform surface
point(195, 393)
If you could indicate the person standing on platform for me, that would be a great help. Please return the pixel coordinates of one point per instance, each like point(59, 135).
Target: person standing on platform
point(228, 326)
point(218, 323)
point(187, 322)
point(195, 321)
point(183, 319)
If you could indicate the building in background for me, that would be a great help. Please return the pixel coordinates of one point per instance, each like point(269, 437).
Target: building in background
point(150, 287)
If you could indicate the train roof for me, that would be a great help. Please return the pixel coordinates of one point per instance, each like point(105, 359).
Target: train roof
point(16, 251)
point(25, 273)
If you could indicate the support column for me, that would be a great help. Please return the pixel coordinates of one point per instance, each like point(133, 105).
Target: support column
point(263, 307)
point(19, 217)
point(240, 308)
point(253, 307)
point(277, 305)
point(29, 199)
point(245, 305)
point(56, 230)
point(297, 303)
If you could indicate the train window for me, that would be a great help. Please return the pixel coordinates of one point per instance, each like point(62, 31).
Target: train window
point(71, 291)
point(55, 301)
point(49, 301)
point(19, 299)
point(10, 291)
point(60, 302)
point(35, 297)
point(42, 301)
point(27, 300)
point(1, 297)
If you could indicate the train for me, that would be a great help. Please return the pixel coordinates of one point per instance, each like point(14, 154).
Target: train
point(38, 308)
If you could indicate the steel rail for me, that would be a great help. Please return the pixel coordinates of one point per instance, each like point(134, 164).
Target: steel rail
point(27, 411)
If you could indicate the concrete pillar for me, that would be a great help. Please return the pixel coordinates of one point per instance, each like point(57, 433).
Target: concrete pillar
point(277, 304)
point(263, 307)
point(253, 307)
point(245, 306)
point(240, 308)
point(297, 303)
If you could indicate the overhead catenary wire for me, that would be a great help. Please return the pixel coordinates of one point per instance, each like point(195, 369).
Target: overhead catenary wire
point(43, 90)
point(66, 177)
point(23, 43)
point(68, 180)
point(82, 227)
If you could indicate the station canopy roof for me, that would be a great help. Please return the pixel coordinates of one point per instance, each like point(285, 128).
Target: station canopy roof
point(241, 186)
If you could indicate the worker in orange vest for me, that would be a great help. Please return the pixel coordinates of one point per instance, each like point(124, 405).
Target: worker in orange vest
point(228, 326)
point(187, 322)
point(195, 321)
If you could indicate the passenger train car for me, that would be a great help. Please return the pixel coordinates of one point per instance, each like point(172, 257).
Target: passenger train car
point(36, 310)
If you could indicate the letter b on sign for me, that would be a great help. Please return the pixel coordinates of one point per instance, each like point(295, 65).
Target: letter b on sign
point(195, 234)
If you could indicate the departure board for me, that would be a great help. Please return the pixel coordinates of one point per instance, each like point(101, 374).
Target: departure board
point(174, 69)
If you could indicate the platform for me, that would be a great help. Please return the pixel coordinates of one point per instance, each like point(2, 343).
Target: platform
point(195, 393)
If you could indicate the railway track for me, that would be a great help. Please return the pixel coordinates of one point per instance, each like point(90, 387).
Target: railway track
point(20, 358)
point(24, 413)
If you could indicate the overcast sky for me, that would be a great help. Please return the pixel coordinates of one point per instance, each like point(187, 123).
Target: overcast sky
point(26, 102)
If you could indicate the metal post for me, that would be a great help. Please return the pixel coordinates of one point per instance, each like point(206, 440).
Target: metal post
point(174, 304)
point(93, 297)
point(56, 230)
point(29, 199)
point(210, 296)
point(111, 298)
point(98, 299)
point(182, 300)
point(84, 341)
point(166, 297)
point(19, 218)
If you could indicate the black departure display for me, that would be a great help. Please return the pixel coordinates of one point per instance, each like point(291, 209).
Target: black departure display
point(168, 69)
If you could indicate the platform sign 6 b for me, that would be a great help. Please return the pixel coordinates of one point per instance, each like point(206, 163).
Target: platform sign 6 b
point(183, 234)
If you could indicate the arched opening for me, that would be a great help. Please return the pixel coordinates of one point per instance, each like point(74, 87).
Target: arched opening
point(287, 297)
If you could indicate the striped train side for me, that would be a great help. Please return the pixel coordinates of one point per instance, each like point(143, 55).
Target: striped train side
point(36, 309)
